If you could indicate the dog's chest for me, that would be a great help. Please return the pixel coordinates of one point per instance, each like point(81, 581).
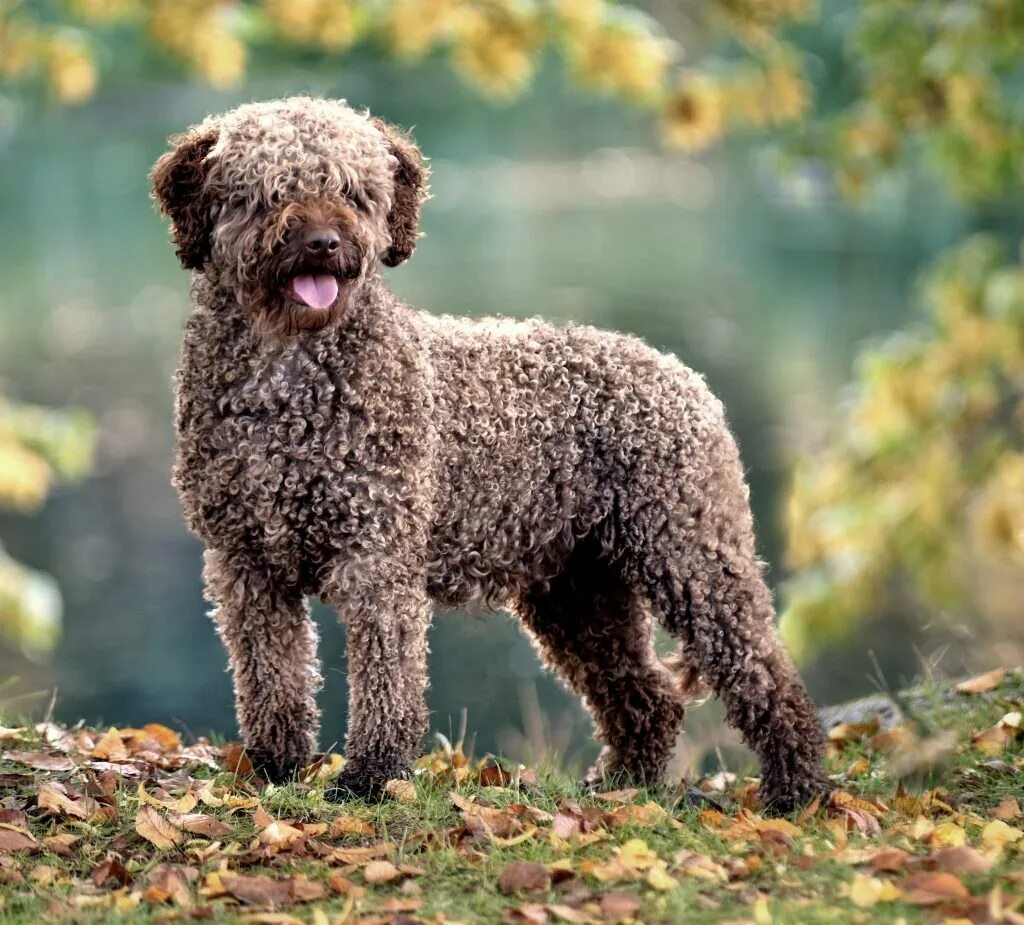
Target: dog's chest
point(267, 459)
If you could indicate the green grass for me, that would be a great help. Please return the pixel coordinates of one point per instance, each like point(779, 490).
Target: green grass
point(801, 875)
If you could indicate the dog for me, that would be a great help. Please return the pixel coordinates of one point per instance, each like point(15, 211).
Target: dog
point(333, 441)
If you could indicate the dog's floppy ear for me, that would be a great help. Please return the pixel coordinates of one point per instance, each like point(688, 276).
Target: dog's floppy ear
point(411, 177)
point(178, 178)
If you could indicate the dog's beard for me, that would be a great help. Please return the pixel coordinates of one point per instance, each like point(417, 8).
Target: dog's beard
point(295, 294)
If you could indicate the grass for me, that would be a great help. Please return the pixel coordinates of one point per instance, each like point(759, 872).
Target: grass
point(640, 856)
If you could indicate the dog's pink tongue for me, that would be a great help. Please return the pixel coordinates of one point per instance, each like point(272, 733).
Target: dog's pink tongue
point(318, 291)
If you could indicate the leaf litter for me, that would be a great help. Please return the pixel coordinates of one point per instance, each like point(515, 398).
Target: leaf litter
point(119, 821)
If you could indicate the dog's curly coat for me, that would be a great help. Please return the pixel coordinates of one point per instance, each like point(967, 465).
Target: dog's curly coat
point(333, 441)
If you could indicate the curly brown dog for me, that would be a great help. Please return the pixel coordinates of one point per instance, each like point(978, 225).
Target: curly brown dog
point(334, 441)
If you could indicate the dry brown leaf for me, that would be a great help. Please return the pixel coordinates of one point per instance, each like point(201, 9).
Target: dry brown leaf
point(237, 761)
point(534, 913)
point(351, 825)
point(265, 891)
point(524, 876)
point(168, 739)
point(380, 872)
point(1008, 809)
point(565, 913)
point(930, 888)
point(889, 859)
point(110, 747)
point(14, 839)
point(618, 796)
point(402, 790)
point(617, 906)
point(346, 887)
point(566, 825)
point(358, 855)
point(61, 843)
point(982, 683)
point(201, 824)
point(41, 761)
point(171, 883)
point(110, 868)
point(54, 798)
point(961, 860)
point(157, 830)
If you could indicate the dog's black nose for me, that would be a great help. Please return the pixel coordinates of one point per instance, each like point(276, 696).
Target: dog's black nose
point(320, 240)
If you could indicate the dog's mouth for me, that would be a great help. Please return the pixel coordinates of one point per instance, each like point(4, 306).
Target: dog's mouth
point(318, 291)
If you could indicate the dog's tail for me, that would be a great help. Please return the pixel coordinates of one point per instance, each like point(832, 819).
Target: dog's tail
point(692, 687)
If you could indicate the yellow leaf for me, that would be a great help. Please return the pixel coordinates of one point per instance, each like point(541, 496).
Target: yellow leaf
point(402, 790)
point(948, 835)
point(762, 914)
point(659, 878)
point(110, 747)
point(157, 830)
point(982, 683)
point(516, 840)
point(865, 891)
point(184, 804)
point(636, 855)
point(998, 833)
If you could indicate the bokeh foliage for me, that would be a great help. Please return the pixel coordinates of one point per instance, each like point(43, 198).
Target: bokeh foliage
point(37, 447)
point(615, 49)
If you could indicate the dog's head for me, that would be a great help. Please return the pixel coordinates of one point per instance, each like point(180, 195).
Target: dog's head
point(292, 204)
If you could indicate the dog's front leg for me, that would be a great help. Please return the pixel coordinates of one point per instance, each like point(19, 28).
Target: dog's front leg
point(271, 641)
point(386, 612)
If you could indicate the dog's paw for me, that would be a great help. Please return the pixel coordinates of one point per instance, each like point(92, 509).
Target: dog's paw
point(276, 769)
point(777, 801)
point(363, 780)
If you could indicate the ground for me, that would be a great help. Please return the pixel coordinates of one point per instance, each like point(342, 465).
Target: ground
point(133, 825)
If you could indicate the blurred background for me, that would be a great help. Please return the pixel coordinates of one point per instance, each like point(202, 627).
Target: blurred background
point(786, 196)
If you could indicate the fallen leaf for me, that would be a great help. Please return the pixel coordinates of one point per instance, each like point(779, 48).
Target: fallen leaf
point(960, 860)
point(110, 868)
point(927, 889)
point(982, 683)
point(110, 747)
point(260, 890)
point(201, 824)
point(998, 833)
point(41, 761)
point(61, 844)
point(948, 835)
point(1008, 809)
point(183, 804)
point(869, 891)
point(14, 839)
point(171, 883)
point(535, 913)
point(54, 798)
point(617, 906)
point(157, 830)
point(380, 872)
point(660, 879)
point(402, 790)
point(351, 825)
point(237, 761)
point(341, 884)
point(618, 796)
point(524, 876)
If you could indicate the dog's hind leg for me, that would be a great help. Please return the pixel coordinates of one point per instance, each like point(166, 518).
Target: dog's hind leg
point(706, 583)
point(271, 641)
point(598, 637)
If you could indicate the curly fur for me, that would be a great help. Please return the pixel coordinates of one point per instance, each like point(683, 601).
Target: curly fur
point(386, 459)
